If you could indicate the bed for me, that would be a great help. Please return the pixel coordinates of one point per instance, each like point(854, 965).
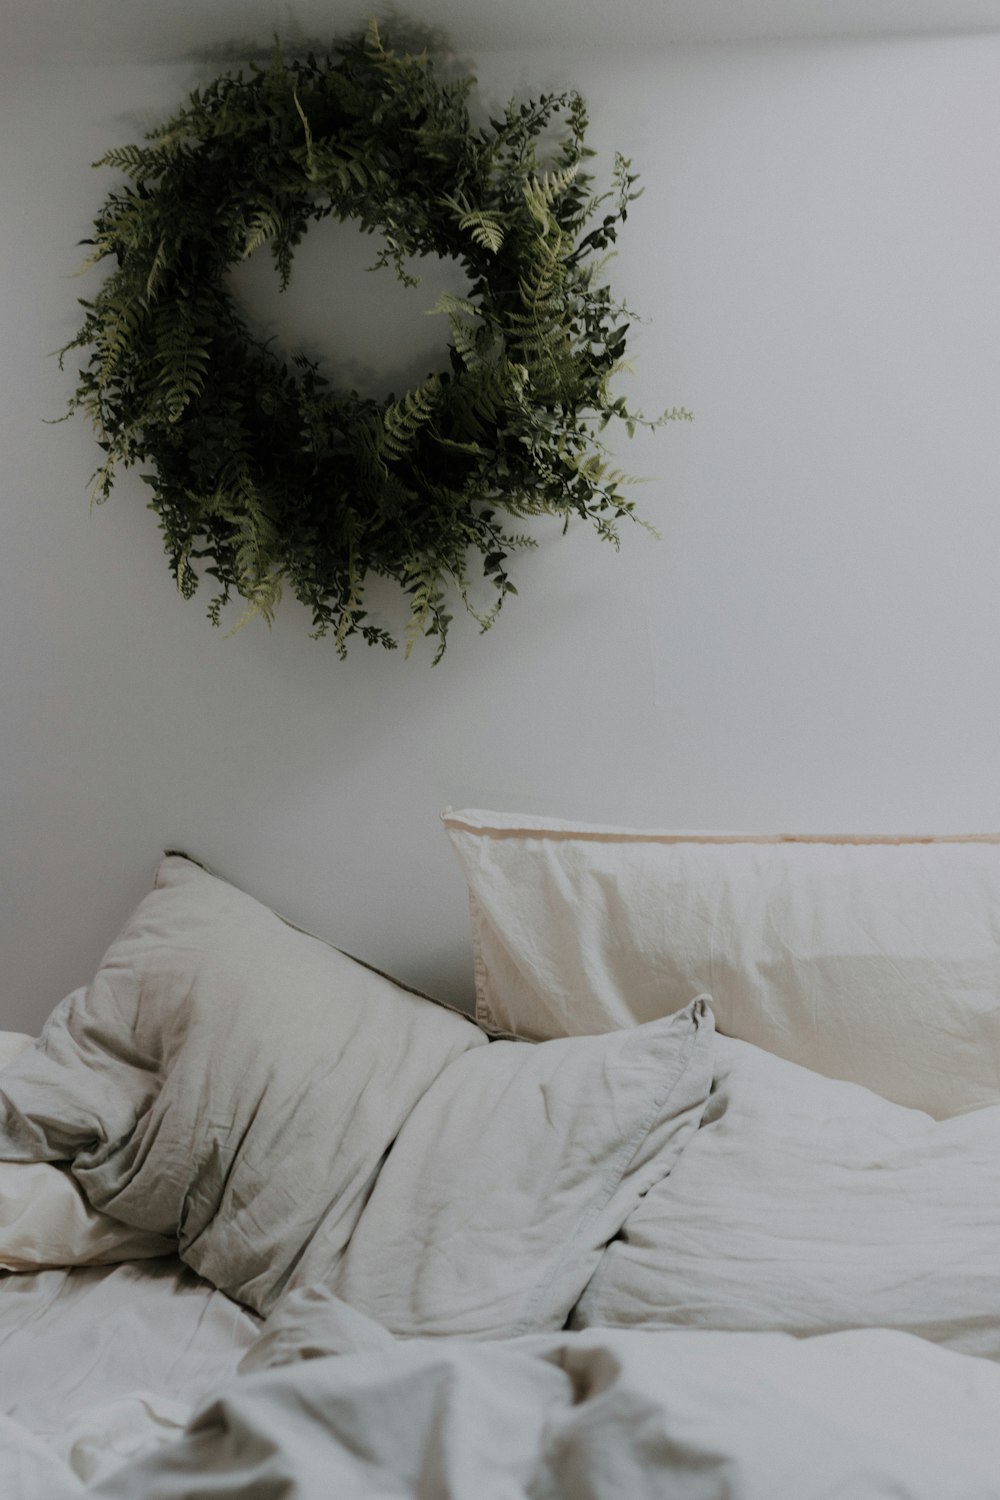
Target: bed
point(703, 1201)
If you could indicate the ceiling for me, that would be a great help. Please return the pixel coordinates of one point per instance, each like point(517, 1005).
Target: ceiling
point(95, 31)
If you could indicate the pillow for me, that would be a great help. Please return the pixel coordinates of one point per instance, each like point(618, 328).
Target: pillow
point(514, 1171)
point(228, 1082)
point(804, 1205)
point(45, 1220)
point(874, 961)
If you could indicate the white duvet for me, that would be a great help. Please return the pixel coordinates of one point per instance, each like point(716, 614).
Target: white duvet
point(595, 1415)
point(805, 1205)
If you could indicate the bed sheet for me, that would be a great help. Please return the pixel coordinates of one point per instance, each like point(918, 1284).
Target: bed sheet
point(101, 1364)
point(596, 1415)
point(327, 1402)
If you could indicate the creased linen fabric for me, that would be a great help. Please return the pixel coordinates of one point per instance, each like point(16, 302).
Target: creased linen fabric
point(600, 1415)
point(515, 1169)
point(45, 1221)
point(807, 1205)
point(227, 1081)
point(99, 1364)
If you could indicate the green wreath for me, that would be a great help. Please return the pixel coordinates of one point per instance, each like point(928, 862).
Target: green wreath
point(264, 472)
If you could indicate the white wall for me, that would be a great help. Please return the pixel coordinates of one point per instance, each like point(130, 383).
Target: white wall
point(814, 643)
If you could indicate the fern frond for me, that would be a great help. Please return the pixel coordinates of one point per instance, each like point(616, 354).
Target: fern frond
point(402, 420)
point(156, 269)
point(484, 227)
point(263, 603)
point(265, 224)
point(183, 357)
point(141, 163)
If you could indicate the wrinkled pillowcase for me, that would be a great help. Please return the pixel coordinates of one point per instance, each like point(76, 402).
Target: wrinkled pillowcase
point(45, 1221)
point(228, 1082)
point(804, 1205)
point(871, 960)
point(515, 1169)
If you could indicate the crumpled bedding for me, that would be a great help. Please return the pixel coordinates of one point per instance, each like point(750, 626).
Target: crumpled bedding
point(141, 1383)
point(806, 1205)
point(594, 1415)
point(100, 1364)
point(241, 1089)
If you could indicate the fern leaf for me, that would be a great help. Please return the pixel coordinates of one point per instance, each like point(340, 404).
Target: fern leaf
point(265, 225)
point(402, 420)
point(263, 603)
point(138, 162)
point(156, 269)
point(485, 228)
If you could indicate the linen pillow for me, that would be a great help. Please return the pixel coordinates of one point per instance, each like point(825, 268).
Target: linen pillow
point(514, 1171)
point(45, 1221)
point(227, 1081)
point(804, 1205)
point(875, 961)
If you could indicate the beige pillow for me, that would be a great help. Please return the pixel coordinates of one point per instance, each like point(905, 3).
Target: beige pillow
point(871, 960)
point(228, 1081)
point(45, 1220)
point(514, 1171)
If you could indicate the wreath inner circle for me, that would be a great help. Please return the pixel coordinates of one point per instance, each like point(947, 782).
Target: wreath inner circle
point(264, 475)
point(366, 329)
